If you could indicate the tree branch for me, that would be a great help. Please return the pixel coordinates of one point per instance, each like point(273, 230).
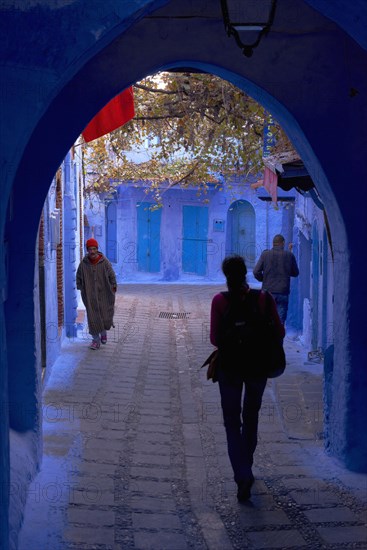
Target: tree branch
point(155, 90)
point(160, 117)
point(189, 173)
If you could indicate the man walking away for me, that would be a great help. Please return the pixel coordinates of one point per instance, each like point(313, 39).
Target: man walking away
point(274, 268)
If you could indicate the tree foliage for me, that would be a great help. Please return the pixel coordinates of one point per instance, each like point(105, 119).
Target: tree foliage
point(188, 130)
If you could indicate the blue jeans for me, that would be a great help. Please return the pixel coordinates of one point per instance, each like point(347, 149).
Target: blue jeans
point(241, 419)
point(281, 301)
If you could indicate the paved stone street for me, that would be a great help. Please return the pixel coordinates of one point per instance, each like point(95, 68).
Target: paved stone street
point(135, 452)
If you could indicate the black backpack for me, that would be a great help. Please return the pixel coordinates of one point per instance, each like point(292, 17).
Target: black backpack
point(248, 342)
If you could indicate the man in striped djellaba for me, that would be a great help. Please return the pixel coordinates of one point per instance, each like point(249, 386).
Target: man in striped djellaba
point(96, 281)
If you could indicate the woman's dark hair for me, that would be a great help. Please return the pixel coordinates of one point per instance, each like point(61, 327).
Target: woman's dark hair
point(234, 270)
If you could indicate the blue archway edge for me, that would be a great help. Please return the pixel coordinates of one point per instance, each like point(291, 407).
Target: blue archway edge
point(19, 306)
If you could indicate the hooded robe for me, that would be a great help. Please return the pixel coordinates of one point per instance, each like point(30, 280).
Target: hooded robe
point(96, 283)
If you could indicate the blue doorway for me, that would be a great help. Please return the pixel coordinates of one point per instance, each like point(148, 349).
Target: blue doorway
point(149, 234)
point(194, 243)
point(111, 231)
point(242, 232)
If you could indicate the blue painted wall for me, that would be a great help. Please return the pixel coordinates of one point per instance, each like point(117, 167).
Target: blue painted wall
point(314, 83)
point(51, 239)
point(193, 234)
point(70, 239)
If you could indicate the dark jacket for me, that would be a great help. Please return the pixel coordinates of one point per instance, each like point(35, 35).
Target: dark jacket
point(274, 269)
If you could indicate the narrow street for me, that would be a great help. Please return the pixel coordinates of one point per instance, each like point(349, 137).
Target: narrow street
point(135, 453)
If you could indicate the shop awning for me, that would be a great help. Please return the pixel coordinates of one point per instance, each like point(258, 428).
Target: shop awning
point(286, 171)
point(290, 170)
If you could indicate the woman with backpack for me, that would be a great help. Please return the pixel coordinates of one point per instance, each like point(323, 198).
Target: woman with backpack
point(236, 330)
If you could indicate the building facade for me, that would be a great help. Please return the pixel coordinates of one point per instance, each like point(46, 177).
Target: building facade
point(60, 248)
point(187, 239)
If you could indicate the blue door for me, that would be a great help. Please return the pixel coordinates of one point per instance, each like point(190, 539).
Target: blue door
point(195, 238)
point(149, 234)
point(111, 231)
point(241, 224)
point(315, 288)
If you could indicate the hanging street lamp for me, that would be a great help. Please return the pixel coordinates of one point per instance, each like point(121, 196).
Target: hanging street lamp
point(248, 21)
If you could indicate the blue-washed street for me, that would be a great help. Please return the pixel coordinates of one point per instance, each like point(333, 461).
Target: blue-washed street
point(135, 452)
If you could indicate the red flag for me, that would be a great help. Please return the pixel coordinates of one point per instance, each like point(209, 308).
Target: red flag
point(271, 184)
point(113, 115)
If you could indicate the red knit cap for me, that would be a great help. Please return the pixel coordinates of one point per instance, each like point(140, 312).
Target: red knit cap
point(91, 242)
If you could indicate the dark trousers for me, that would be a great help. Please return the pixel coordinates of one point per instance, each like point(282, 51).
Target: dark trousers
point(241, 401)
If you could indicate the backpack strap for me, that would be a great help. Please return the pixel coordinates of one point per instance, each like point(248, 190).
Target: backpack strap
point(262, 301)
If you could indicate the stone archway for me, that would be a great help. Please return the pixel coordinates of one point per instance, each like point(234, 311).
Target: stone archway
point(310, 82)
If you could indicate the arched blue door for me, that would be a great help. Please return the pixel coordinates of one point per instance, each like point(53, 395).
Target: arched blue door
point(111, 231)
point(148, 234)
point(241, 225)
point(195, 236)
point(315, 287)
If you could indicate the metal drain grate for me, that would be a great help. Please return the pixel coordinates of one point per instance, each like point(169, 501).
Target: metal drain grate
point(168, 315)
